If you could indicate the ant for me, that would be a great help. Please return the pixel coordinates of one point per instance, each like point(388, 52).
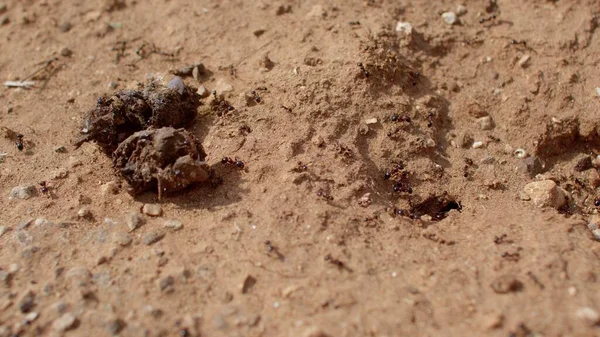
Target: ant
point(20, 142)
point(286, 108)
point(597, 202)
point(214, 93)
point(523, 42)
point(256, 97)
point(365, 71)
point(236, 162)
point(430, 116)
point(489, 18)
point(44, 188)
point(396, 118)
point(336, 262)
point(301, 167)
point(273, 249)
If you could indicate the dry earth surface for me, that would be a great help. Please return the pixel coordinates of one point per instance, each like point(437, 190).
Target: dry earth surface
point(390, 198)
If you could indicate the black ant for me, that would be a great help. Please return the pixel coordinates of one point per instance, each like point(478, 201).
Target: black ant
point(214, 93)
point(597, 202)
point(273, 249)
point(236, 162)
point(20, 142)
point(286, 108)
point(430, 116)
point(399, 187)
point(489, 18)
point(523, 42)
point(256, 97)
point(396, 118)
point(301, 167)
point(44, 188)
point(415, 77)
point(365, 71)
point(336, 262)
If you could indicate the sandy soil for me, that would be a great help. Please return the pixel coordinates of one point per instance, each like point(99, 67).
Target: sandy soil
point(309, 239)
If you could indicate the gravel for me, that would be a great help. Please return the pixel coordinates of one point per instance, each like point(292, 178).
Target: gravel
point(546, 193)
point(449, 18)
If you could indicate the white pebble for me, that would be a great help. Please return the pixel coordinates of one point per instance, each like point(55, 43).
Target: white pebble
point(477, 144)
point(176, 83)
point(524, 60)
point(598, 91)
point(405, 27)
point(449, 17)
point(371, 121)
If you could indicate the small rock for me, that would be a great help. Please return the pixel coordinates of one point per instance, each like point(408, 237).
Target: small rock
point(524, 61)
point(152, 237)
point(65, 322)
point(248, 283)
point(152, 209)
point(196, 73)
point(4, 20)
point(74, 162)
point(404, 27)
point(65, 27)
point(449, 17)
point(22, 192)
point(115, 325)
point(3, 8)
point(317, 12)
point(222, 87)
point(24, 224)
point(477, 144)
point(266, 63)
point(166, 284)
point(584, 164)
point(3, 229)
point(27, 302)
point(520, 153)
point(370, 121)
point(318, 141)
point(134, 220)
point(110, 222)
point(122, 239)
point(40, 222)
point(461, 10)
point(588, 315)
point(493, 321)
point(203, 92)
point(546, 193)
point(598, 91)
point(505, 284)
point(593, 178)
point(84, 212)
point(532, 165)
point(315, 332)
point(259, 32)
point(113, 85)
point(173, 224)
point(66, 52)
point(465, 140)
point(283, 9)
point(109, 188)
point(60, 149)
point(30, 317)
point(485, 123)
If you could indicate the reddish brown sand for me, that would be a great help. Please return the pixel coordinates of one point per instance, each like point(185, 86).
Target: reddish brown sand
point(337, 262)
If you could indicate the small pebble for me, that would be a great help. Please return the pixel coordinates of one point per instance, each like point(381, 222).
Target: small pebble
point(3, 229)
point(65, 27)
point(588, 315)
point(477, 144)
point(65, 322)
point(520, 153)
point(122, 239)
point(66, 52)
point(461, 10)
point(27, 302)
point(152, 237)
point(134, 220)
point(60, 149)
point(41, 222)
point(598, 91)
point(203, 92)
point(4, 20)
point(173, 224)
point(449, 17)
point(113, 85)
point(109, 188)
point(166, 284)
point(30, 317)
point(371, 121)
point(84, 212)
point(404, 27)
point(546, 193)
point(3, 8)
point(485, 123)
point(22, 192)
point(524, 61)
point(177, 84)
point(115, 325)
point(152, 209)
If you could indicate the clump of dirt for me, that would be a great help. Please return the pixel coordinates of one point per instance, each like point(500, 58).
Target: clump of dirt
point(126, 111)
point(168, 159)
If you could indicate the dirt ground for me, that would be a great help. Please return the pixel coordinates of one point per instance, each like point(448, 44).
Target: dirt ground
point(382, 192)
